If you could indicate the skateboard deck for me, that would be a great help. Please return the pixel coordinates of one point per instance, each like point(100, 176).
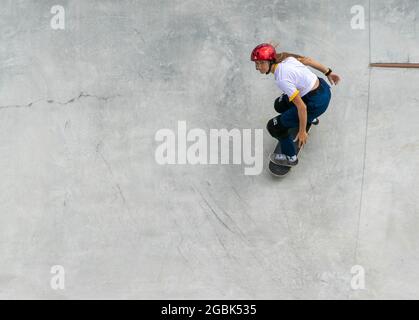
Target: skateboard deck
point(281, 171)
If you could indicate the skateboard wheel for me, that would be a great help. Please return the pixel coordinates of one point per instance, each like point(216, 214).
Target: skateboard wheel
point(315, 122)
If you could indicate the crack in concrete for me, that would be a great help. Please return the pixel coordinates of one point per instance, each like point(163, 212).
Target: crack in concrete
point(364, 161)
point(84, 95)
point(134, 223)
point(139, 33)
point(20, 105)
point(213, 211)
point(81, 95)
point(121, 193)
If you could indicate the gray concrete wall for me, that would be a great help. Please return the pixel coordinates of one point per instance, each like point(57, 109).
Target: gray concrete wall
point(81, 187)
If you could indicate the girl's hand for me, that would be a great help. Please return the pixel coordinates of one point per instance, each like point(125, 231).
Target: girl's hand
point(333, 78)
point(302, 137)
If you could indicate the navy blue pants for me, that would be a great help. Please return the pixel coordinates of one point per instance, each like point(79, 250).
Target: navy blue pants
point(316, 101)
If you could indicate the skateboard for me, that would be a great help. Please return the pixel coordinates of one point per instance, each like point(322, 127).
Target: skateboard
point(280, 171)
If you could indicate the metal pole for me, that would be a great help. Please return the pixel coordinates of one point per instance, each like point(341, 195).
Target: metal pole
point(394, 65)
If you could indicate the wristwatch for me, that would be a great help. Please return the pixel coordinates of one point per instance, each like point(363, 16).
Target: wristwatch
point(328, 72)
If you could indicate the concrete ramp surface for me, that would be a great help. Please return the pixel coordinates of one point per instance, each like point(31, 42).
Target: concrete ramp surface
point(88, 212)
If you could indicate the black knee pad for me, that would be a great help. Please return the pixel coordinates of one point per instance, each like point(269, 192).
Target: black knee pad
point(282, 104)
point(276, 129)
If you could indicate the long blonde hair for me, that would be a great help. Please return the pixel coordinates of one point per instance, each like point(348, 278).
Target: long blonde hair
point(284, 55)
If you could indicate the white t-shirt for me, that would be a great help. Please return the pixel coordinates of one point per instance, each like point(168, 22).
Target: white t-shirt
point(293, 78)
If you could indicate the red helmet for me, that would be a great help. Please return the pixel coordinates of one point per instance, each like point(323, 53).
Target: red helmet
point(263, 51)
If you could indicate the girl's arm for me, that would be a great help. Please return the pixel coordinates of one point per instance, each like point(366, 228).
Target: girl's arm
point(305, 60)
point(333, 77)
point(314, 64)
point(302, 135)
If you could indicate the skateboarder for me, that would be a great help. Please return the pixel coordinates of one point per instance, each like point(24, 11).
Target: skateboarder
point(305, 97)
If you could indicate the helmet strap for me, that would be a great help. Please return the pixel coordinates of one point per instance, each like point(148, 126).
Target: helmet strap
point(270, 67)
